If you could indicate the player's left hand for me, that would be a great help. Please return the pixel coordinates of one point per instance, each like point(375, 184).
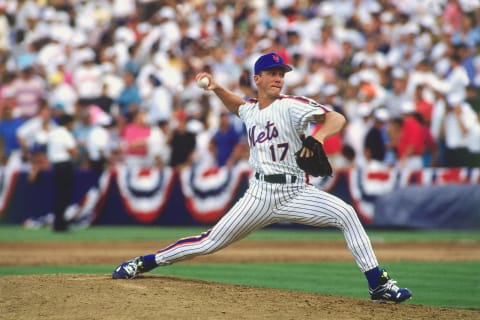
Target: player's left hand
point(312, 158)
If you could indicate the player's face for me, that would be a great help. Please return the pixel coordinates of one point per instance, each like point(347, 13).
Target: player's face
point(270, 81)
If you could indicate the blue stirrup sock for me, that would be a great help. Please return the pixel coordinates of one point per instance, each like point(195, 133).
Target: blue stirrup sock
point(373, 277)
point(149, 262)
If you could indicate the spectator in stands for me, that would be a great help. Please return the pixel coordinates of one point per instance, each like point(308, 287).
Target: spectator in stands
point(457, 78)
point(350, 99)
point(135, 140)
point(422, 105)
point(67, 73)
point(467, 58)
point(100, 144)
point(293, 44)
point(370, 88)
point(300, 62)
point(61, 150)
point(314, 79)
point(437, 126)
point(430, 152)
point(344, 68)
point(473, 97)
point(370, 56)
point(458, 121)
point(132, 64)
point(87, 77)
point(411, 141)
point(226, 139)
point(112, 81)
point(348, 158)
point(159, 148)
point(397, 94)
point(115, 144)
point(160, 102)
point(245, 85)
point(452, 15)
point(61, 94)
point(129, 100)
point(374, 143)
point(32, 136)
point(406, 53)
point(81, 128)
point(474, 143)
point(422, 74)
point(8, 130)
point(182, 142)
point(200, 127)
point(393, 130)
point(29, 90)
point(163, 66)
point(356, 130)
point(105, 101)
point(468, 32)
point(327, 48)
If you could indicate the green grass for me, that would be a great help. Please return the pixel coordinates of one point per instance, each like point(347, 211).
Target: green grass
point(447, 284)
point(452, 284)
point(96, 233)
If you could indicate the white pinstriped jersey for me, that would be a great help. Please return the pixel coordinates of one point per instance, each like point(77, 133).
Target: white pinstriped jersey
point(274, 132)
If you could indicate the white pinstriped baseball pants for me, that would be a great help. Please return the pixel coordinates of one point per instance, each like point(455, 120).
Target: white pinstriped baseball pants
point(267, 203)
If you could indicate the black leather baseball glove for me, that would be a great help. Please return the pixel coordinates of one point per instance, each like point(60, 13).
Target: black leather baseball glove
point(312, 159)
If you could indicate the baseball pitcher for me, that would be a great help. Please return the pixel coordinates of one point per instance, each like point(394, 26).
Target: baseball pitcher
point(282, 156)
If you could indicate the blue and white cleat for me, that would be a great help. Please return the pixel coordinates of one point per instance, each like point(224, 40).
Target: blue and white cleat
point(388, 291)
point(128, 269)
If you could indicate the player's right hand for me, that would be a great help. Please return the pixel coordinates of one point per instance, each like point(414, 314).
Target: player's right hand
point(211, 85)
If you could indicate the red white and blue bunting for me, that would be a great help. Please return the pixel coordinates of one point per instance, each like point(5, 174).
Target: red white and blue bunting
point(209, 191)
point(8, 176)
point(144, 191)
point(85, 212)
point(365, 186)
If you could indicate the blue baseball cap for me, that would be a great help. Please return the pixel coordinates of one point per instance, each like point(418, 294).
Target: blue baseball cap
point(270, 60)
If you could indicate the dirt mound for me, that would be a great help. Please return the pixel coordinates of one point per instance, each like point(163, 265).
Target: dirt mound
point(63, 296)
point(157, 297)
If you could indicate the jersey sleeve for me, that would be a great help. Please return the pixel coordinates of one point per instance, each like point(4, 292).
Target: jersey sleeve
point(244, 108)
point(303, 110)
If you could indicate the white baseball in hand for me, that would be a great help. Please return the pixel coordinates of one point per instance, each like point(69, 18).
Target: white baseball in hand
point(203, 82)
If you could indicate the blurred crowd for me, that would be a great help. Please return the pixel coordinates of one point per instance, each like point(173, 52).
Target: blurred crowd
point(406, 75)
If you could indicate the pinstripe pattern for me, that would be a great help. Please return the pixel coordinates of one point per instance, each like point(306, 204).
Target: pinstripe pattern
point(274, 136)
point(267, 203)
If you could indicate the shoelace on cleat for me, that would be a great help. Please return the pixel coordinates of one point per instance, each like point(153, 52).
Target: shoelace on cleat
point(391, 285)
point(131, 268)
